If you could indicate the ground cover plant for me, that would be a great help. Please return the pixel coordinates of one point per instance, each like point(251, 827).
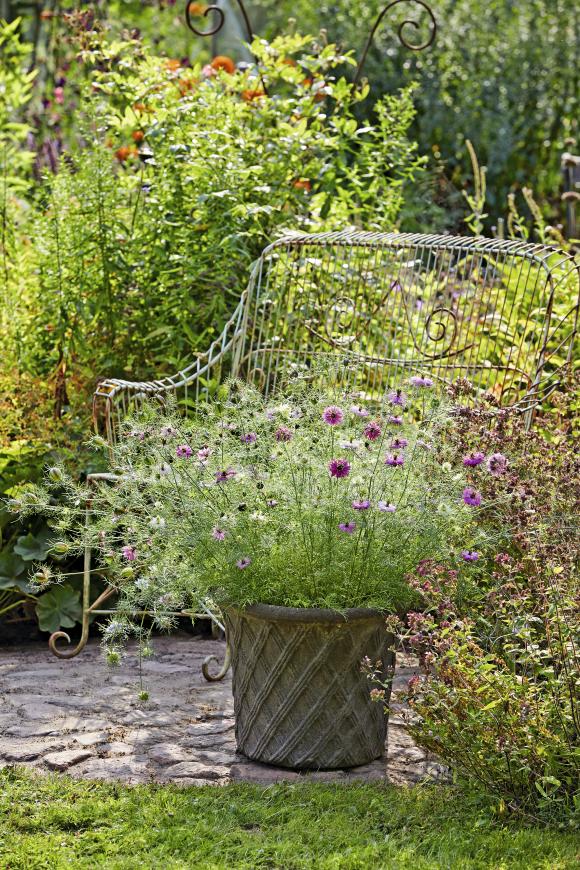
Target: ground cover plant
point(498, 697)
point(58, 822)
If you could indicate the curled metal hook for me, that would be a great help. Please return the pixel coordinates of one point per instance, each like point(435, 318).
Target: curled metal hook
point(403, 39)
point(207, 11)
point(220, 20)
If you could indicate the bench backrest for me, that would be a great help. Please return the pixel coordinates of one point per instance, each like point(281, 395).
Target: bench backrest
point(376, 308)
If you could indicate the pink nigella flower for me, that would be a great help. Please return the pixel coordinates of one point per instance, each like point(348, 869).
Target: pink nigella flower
point(372, 431)
point(386, 507)
point(418, 381)
point(362, 505)
point(469, 555)
point(473, 459)
point(339, 467)
point(243, 562)
point(218, 534)
point(204, 453)
point(249, 438)
point(497, 464)
point(399, 444)
point(395, 421)
point(396, 397)
point(471, 497)
point(129, 553)
point(394, 459)
point(332, 415)
point(184, 451)
point(225, 475)
point(347, 527)
point(167, 432)
point(283, 433)
point(360, 412)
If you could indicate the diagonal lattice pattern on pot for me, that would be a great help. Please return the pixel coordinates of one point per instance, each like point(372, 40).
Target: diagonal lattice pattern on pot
point(300, 698)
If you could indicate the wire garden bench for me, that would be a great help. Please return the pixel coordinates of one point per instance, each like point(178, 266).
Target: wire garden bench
point(377, 308)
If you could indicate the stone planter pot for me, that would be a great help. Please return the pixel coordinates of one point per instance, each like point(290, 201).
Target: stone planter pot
point(300, 698)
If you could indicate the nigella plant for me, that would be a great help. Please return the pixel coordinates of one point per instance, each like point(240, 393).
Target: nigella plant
point(305, 499)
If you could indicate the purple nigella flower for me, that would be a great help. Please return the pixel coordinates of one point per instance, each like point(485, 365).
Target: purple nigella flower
point(394, 459)
point(471, 496)
point(339, 467)
point(271, 502)
point(386, 507)
point(360, 412)
point(469, 555)
point(497, 464)
point(283, 434)
point(362, 505)
point(218, 534)
point(204, 453)
point(395, 421)
point(418, 381)
point(250, 438)
point(167, 431)
point(372, 431)
point(347, 527)
point(129, 552)
point(184, 451)
point(226, 474)
point(399, 444)
point(332, 415)
point(243, 562)
point(396, 397)
point(474, 459)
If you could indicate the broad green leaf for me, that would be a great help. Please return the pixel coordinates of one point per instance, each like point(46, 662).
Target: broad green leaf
point(59, 608)
point(12, 572)
point(31, 547)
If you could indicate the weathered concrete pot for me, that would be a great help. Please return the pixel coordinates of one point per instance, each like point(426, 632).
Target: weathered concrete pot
point(300, 698)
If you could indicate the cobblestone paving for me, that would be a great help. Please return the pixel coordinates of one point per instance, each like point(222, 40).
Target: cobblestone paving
point(82, 717)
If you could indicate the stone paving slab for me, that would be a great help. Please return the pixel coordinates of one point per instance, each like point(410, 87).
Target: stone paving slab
point(85, 718)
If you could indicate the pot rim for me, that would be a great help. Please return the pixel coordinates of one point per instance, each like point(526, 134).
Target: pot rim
point(279, 613)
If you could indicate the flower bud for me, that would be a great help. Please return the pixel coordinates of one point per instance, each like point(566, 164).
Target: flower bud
point(60, 548)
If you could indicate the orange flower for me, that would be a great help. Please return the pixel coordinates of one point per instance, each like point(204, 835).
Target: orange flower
point(248, 96)
point(197, 9)
point(319, 93)
point(138, 135)
point(122, 153)
point(172, 65)
point(222, 61)
point(186, 85)
point(302, 184)
point(289, 62)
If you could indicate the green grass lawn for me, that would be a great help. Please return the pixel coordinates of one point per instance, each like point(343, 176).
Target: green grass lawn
point(56, 822)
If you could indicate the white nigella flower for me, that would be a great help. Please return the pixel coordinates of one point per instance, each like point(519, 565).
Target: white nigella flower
point(142, 584)
point(351, 445)
point(157, 523)
point(258, 517)
point(115, 628)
